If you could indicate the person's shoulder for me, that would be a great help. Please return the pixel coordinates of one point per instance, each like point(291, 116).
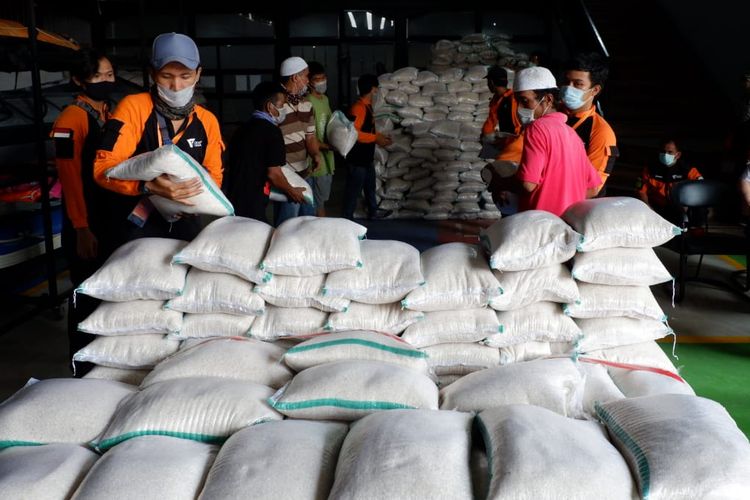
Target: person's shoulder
point(602, 124)
point(140, 100)
point(71, 115)
point(205, 115)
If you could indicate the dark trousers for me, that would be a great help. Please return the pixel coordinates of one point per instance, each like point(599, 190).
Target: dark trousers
point(360, 177)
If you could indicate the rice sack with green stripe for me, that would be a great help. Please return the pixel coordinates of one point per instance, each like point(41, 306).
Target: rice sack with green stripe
point(233, 245)
point(461, 358)
point(349, 390)
point(406, 454)
point(533, 452)
point(350, 346)
point(139, 467)
point(207, 409)
point(604, 301)
point(635, 381)
point(180, 167)
point(307, 245)
point(680, 446)
point(207, 292)
point(441, 327)
point(300, 291)
point(59, 410)
point(133, 352)
point(387, 318)
point(280, 322)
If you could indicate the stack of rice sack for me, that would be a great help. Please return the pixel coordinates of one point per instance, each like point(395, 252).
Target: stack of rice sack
point(617, 312)
point(474, 49)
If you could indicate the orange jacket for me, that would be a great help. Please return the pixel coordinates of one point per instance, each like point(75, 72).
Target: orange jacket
point(600, 141)
point(656, 181)
point(512, 147)
point(359, 112)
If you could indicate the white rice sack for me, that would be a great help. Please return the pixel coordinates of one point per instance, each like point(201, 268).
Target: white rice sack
point(386, 318)
point(140, 269)
point(418, 201)
point(471, 146)
point(394, 172)
point(460, 117)
point(459, 86)
point(340, 133)
point(397, 186)
point(124, 375)
point(420, 101)
point(551, 283)
point(397, 98)
point(526, 351)
point(643, 354)
point(214, 325)
point(233, 358)
point(599, 387)
point(446, 154)
point(556, 384)
point(381, 155)
point(602, 333)
point(421, 129)
point(538, 322)
point(390, 270)
point(476, 74)
point(51, 471)
point(410, 163)
point(461, 358)
point(410, 112)
point(415, 174)
point(438, 206)
point(215, 293)
point(233, 245)
point(457, 277)
point(471, 156)
point(203, 409)
point(470, 176)
point(463, 108)
point(280, 322)
point(425, 142)
point(395, 158)
point(59, 410)
point(440, 108)
point(298, 461)
point(355, 345)
point(470, 131)
point(522, 456)
point(445, 99)
point(179, 166)
point(451, 75)
point(431, 88)
point(425, 454)
point(448, 143)
point(602, 301)
point(349, 390)
point(127, 318)
point(302, 291)
point(389, 205)
point(386, 82)
point(143, 466)
point(447, 129)
point(295, 180)
point(136, 352)
point(528, 240)
point(408, 88)
point(468, 186)
point(480, 86)
point(306, 246)
point(635, 381)
point(493, 214)
point(466, 207)
point(680, 446)
point(467, 98)
point(618, 221)
point(425, 77)
point(439, 327)
point(620, 266)
point(423, 153)
point(407, 74)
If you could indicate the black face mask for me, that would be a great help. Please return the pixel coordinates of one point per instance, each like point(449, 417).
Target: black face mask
point(100, 91)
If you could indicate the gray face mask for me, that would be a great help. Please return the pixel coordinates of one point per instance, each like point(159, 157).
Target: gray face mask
point(321, 87)
point(175, 98)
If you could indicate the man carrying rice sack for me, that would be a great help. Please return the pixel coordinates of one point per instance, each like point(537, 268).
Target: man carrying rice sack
point(166, 114)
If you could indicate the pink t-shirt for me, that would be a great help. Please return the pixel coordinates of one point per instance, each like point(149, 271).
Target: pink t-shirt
point(554, 158)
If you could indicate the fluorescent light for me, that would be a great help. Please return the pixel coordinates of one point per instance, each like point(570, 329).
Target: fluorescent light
point(351, 20)
point(382, 23)
point(391, 23)
point(369, 20)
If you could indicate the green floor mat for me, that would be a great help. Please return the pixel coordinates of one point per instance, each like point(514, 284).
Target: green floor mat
point(720, 372)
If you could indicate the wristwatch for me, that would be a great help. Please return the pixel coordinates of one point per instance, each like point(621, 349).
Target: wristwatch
point(143, 189)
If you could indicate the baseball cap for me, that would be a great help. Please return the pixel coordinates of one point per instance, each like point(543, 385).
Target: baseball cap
point(534, 78)
point(174, 47)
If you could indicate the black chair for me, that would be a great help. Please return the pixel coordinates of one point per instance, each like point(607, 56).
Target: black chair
point(705, 240)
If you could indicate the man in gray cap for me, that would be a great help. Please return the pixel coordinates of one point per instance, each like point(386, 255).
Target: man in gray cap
point(298, 128)
point(166, 114)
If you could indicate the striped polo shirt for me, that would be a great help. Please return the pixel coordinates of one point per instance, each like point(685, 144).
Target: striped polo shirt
point(299, 122)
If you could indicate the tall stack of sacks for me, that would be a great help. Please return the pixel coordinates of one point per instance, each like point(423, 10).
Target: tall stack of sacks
point(474, 49)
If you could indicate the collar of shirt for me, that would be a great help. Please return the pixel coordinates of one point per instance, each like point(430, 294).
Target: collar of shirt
point(264, 116)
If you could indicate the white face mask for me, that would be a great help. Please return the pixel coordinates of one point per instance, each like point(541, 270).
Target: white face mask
point(321, 87)
point(667, 159)
point(281, 115)
point(526, 115)
point(175, 98)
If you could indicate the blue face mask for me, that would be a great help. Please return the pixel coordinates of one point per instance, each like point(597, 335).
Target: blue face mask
point(572, 97)
point(667, 159)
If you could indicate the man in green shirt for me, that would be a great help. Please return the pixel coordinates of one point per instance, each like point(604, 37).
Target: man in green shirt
point(322, 178)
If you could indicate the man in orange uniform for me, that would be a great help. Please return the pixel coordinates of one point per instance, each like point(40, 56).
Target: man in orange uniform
point(583, 81)
point(166, 114)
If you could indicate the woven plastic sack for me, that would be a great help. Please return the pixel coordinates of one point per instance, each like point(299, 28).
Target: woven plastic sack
point(451, 75)
point(529, 240)
point(301, 291)
point(643, 354)
point(424, 453)
point(232, 358)
point(144, 465)
point(618, 221)
point(233, 245)
point(526, 351)
point(602, 333)
point(599, 387)
point(420, 101)
point(397, 98)
point(202, 409)
point(138, 270)
point(214, 325)
point(124, 375)
point(136, 352)
point(386, 318)
point(298, 461)
point(551, 283)
point(635, 381)
point(407, 74)
point(538, 322)
point(459, 86)
point(476, 74)
point(279, 322)
point(179, 166)
point(425, 77)
point(295, 180)
point(349, 390)
point(82, 409)
point(128, 318)
point(522, 457)
point(357, 345)
point(461, 358)
point(440, 327)
point(457, 277)
point(51, 471)
point(602, 301)
point(447, 129)
point(306, 246)
point(620, 266)
point(556, 384)
point(217, 293)
point(340, 133)
point(680, 446)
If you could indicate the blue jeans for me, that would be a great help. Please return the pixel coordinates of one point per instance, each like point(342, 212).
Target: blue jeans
point(360, 177)
point(285, 210)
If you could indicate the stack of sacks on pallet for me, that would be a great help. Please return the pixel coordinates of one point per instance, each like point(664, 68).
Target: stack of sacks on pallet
point(474, 49)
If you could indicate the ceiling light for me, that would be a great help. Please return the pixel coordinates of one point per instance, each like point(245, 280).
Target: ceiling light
point(351, 20)
point(369, 20)
point(382, 23)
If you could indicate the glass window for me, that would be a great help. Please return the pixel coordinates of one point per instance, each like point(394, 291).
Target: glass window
point(442, 24)
point(324, 24)
point(363, 23)
point(208, 56)
point(129, 27)
point(327, 55)
point(243, 83)
point(247, 56)
point(232, 25)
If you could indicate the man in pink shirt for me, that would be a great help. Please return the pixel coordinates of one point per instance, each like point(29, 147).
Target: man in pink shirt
point(555, 171)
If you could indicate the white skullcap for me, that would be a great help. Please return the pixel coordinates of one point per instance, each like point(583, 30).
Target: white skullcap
point(534, 78)
point(292, 66)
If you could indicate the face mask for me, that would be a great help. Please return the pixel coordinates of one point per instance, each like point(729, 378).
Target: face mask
point(321, 87)
point(99, 91)
point(573, 97)
point(176, 99)
point(282, 115)
point(667, 159)
point(526, 115)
